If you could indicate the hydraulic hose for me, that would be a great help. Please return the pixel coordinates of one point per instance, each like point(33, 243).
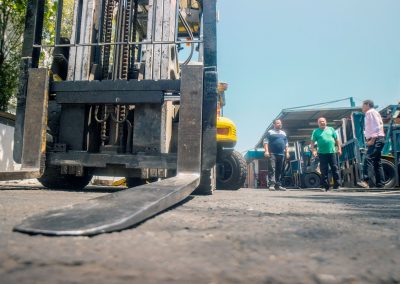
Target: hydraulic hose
point(187, 27)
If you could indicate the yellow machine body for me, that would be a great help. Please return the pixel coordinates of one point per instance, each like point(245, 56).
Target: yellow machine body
point(226, 132)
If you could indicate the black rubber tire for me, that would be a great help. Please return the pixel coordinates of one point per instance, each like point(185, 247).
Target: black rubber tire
point(53, 179)
point(389, 170)
point(207, 183)
point(311, 180)
point(234, 173)
point(132, 182)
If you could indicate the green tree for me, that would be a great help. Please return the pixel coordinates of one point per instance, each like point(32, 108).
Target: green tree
point(12, 18)
point(12, 23)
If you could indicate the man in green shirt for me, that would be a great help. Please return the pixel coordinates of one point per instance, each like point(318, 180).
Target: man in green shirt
point(328, 148)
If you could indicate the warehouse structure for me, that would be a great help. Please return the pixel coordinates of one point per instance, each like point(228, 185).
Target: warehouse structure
point(302, 170)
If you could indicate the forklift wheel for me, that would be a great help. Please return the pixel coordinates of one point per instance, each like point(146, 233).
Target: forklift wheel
point(53, 179)
point(389, 174)
point(232, 171)
point(311, 180)
point(132, 182)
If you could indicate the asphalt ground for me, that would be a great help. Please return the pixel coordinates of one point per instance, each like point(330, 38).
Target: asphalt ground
point(245, 236)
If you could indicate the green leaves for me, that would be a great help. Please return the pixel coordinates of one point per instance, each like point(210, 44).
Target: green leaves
point(12, 19)
point(12, 22)
point(9, 71)
point(49, 27)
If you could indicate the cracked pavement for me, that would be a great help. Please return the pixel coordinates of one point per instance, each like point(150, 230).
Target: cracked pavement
point(247, 236)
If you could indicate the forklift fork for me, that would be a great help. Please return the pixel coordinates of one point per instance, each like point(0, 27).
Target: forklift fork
point(116, 211)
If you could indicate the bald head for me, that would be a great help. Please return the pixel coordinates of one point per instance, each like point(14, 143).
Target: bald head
point(322, 122)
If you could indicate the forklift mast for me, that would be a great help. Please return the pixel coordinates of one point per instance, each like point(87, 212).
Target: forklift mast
point(114, 88)
point(117, 100)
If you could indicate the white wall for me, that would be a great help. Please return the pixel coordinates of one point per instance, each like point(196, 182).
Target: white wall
point(6, 149)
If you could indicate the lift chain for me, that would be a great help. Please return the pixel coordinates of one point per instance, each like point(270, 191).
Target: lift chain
point(107, 27)
point(126, 32)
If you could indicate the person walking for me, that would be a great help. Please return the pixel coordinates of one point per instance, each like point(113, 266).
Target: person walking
point(375, 136)
point(276, 150)
point(328, 146)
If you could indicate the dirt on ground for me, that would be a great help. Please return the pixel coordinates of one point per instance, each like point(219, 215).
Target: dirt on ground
point(245, 236)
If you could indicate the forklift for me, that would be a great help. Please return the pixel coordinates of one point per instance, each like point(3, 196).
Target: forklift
point(117, 101)
point(231, 166)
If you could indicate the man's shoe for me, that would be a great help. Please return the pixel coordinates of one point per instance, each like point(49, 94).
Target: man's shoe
point(336, 187)
point(280, 188)
point(380, 186)
point(363, 184)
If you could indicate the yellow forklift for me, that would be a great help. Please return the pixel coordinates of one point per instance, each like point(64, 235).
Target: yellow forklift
point(231, 166)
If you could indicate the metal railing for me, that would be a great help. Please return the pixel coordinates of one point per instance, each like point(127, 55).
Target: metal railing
point(145, 42)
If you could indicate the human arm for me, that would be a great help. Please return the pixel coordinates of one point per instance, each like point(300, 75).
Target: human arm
point(339, 146)
point(337, 142)
point(287, 155)
point(371, 141)
point(312, 145)
point(312, 148)
point(287, 152)
point(266, 149)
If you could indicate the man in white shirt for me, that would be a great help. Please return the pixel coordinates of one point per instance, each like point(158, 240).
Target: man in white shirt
point(375, 137)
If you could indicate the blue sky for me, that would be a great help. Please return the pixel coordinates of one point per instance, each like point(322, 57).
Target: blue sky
point(284, 53)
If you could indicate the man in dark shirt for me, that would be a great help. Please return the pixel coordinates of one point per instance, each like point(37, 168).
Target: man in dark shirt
point(276, 149)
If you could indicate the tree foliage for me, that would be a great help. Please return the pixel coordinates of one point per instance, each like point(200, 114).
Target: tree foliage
point(12, 22)
point(12, 18)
